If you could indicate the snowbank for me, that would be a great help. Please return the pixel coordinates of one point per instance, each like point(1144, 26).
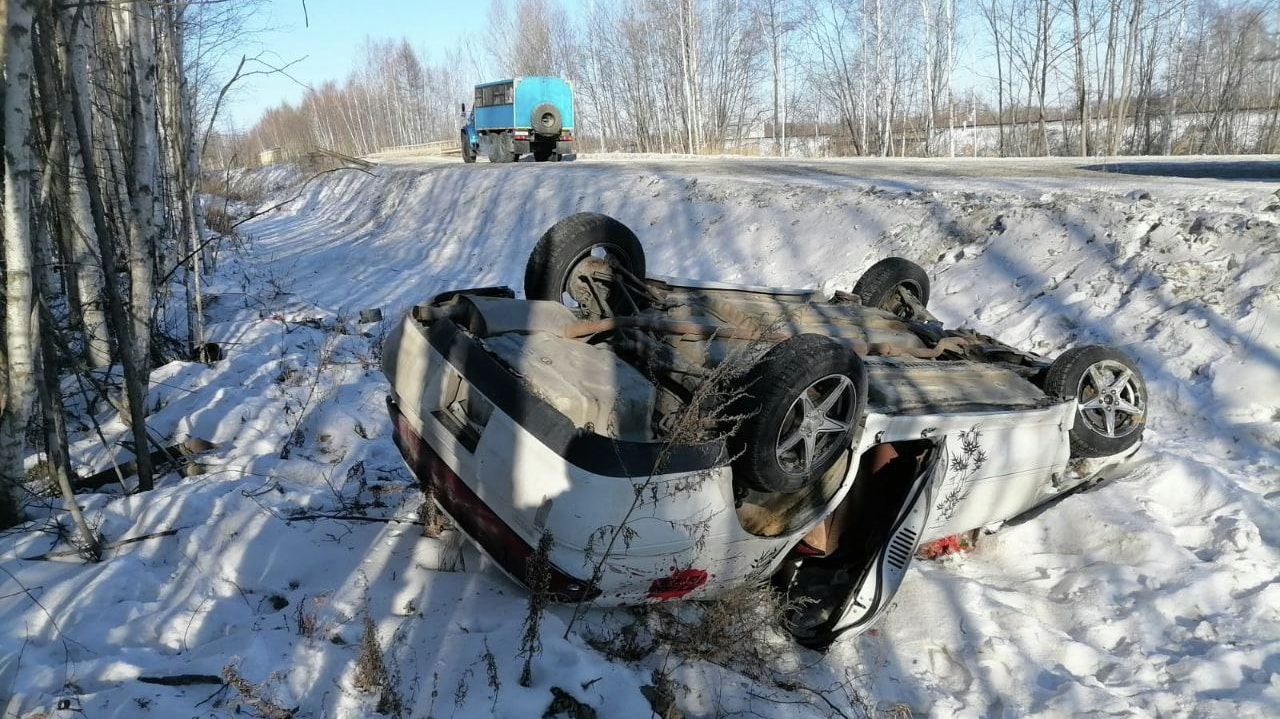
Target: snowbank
point(1155, 594)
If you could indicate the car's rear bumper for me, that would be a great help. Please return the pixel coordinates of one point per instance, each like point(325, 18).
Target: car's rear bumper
point(478, 521)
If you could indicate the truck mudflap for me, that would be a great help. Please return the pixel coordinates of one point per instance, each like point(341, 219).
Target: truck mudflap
point(859, 595)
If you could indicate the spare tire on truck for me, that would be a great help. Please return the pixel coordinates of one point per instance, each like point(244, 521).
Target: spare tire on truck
point(546, 119)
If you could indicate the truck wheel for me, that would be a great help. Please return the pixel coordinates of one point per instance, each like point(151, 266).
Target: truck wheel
point(878, 286)
point(542, 154)
point(501, 149)
point(803, 402)
point(1111, 398)
point(577, 246)
point(468, 152)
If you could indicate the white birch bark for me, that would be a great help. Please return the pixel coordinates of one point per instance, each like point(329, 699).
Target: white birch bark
point(930, 38)
point(87, 273)
point(17, 365)
point(143, 244)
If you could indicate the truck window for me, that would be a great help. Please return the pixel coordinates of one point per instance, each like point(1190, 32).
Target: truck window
point(502, 94)
point(491, 95)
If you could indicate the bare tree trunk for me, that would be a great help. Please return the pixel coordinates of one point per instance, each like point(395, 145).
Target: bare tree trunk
point(142, 181)
point(51, 409)
point(774, 24)
point(1043, 43)
point(17, 359)
point(135, 391)
point(1119, 117)
point(72, 55)
point(688, 27)
point(930, 38)
point(1172, 87)
point(992, 14)
point(950, 25)
point(1082, 93)
point(864, 89)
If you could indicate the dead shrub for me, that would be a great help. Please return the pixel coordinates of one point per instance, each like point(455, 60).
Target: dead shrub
point(539, 571)
point(219, 220)
point(740, 631)
point(372, 673)
point(233, 187)
point(253, 696)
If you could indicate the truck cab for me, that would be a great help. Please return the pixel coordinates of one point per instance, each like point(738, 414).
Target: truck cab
point(519, 116)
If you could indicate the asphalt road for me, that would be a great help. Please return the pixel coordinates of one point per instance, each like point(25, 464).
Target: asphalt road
point(1256, 171)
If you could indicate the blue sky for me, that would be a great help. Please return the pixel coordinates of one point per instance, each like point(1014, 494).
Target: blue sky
point(330, 37)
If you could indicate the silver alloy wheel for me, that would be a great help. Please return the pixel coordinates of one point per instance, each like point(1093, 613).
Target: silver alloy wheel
point(816, 423)
point(1110, 401)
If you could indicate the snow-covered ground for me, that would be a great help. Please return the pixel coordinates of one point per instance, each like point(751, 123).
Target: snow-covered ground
point(1154, 595)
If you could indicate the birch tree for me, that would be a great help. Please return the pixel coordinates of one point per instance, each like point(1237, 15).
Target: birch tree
point(17, 358)
point(778, 19)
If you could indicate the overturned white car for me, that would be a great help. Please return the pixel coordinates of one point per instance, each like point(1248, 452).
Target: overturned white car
point(669, 439)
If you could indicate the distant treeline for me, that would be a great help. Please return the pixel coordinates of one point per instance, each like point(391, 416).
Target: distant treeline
point(705, 75)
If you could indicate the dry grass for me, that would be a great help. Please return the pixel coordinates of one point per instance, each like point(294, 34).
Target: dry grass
point(219, 220)
point(233, 188)
point(252, 695)
point(372, 673)
point(539, 573)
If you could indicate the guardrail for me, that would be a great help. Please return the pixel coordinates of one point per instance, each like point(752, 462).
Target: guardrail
point(439, 147)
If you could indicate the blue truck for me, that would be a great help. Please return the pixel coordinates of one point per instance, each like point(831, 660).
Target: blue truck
point(520, 116)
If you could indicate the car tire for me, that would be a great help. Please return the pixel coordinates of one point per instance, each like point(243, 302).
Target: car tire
point(546, 119)
point(550, 272)
point(1111, 398)
point(468, 152)
point(801, 406)
point(878, 286)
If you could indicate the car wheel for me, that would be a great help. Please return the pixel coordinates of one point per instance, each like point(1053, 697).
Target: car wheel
point(578, 247)
point(878, 286)
point(802, 403)
point(1111, 398)
point(468, 152)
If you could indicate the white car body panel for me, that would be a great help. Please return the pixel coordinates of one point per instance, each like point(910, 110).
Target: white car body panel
point(528, 484)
